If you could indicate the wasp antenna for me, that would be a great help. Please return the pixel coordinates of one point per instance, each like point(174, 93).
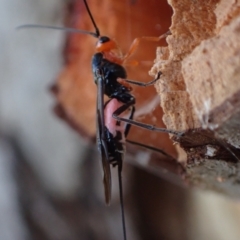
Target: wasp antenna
point(57, 28)
point(97, 34)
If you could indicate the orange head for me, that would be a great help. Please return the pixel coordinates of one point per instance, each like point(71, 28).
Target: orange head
point(109, 48)
point(105, 44)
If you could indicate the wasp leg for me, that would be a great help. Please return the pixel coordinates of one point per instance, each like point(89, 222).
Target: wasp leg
point(141, 84)
point(127, 129)
point(139, 124)
point(136, 41)
point(128, 126)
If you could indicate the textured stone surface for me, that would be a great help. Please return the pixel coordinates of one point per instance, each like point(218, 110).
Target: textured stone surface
point(212, 74)
point(200, 89)
point(200, 82)
point(192, 22)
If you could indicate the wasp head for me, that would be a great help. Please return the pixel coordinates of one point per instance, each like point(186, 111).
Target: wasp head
point(109, 48)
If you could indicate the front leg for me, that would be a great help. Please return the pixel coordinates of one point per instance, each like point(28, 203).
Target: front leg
point(135, 44)
point(141, 84)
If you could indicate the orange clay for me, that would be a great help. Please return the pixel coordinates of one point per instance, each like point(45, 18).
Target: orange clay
point(124, 83)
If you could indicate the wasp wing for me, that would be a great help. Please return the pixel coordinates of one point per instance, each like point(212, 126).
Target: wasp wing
point(101, 138)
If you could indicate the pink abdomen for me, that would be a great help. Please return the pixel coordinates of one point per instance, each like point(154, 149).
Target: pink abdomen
point(110, 122)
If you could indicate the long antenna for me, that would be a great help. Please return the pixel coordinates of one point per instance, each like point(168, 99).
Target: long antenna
point(121, 201)
point(96, 34)
point(57, 28)
point(90, 14)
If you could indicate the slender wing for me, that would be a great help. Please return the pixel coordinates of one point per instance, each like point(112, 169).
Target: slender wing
point(101, 139)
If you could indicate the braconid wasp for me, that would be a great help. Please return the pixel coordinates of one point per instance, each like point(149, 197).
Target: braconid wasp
point(110, 77)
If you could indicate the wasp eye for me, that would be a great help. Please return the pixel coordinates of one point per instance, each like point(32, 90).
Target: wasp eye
point(103, 39)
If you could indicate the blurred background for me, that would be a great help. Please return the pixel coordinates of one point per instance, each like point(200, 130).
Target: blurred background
point(50, 177)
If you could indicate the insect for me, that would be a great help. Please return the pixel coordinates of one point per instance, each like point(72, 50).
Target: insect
point(111, 79)
point(107, 65)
